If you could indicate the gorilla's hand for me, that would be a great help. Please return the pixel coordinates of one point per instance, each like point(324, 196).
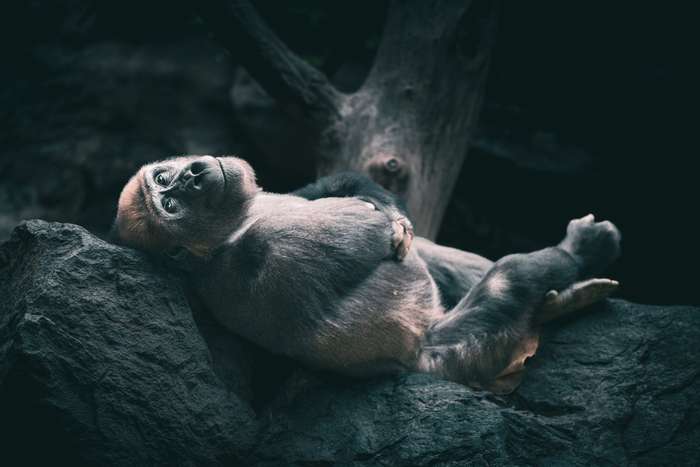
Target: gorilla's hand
point(402, 237)
point(402, 229)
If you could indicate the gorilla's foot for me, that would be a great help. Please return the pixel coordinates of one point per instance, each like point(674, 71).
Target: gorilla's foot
point(579, 295)
point(509, 379)
point(595, 245)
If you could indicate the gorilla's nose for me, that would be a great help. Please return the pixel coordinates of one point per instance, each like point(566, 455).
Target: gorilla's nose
point(199, 166)
point(199, 173)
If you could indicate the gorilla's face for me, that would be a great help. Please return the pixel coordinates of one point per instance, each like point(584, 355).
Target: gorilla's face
point(193, 202)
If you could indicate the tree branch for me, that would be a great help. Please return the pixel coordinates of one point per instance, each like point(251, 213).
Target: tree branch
point(302, 91)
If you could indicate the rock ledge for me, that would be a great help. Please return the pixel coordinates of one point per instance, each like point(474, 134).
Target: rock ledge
point(103, 362)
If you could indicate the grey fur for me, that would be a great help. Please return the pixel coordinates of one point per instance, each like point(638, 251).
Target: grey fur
point(315, 279)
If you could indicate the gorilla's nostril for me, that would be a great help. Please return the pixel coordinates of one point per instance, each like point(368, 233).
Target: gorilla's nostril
point(197, 167)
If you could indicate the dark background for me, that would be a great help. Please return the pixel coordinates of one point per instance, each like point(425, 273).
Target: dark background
point(587, 109)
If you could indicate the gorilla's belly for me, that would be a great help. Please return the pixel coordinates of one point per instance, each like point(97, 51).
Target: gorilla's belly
point(379, 324)
point(329, 319)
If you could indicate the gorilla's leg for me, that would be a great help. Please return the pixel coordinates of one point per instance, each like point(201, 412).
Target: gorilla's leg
point(455, 271)
point(485, 339)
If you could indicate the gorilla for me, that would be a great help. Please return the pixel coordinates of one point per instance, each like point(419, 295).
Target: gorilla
point(331, 275)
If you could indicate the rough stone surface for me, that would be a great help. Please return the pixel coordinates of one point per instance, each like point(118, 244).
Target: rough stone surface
point(617, 387)
point(102, 362)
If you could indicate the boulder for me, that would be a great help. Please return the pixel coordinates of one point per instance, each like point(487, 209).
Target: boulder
point(103, 361)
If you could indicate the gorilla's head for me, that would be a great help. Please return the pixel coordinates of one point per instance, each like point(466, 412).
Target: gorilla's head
point(191, 202)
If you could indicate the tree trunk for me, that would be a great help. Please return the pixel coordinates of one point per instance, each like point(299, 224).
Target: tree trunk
point(409, 125)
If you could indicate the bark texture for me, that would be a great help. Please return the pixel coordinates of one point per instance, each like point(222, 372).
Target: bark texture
point(410, 123)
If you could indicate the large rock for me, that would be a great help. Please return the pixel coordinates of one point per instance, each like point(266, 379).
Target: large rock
point(102, 362)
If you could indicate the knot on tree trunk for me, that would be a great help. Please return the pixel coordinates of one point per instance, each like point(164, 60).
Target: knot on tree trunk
point(390, 171)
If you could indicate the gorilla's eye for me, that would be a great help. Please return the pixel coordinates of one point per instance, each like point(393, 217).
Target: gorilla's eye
point(169, 205)
point(162, 179)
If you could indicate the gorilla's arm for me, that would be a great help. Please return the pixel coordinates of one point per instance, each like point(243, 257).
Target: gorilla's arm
point(455, 272)
point(356, 185)
point(353, 184)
